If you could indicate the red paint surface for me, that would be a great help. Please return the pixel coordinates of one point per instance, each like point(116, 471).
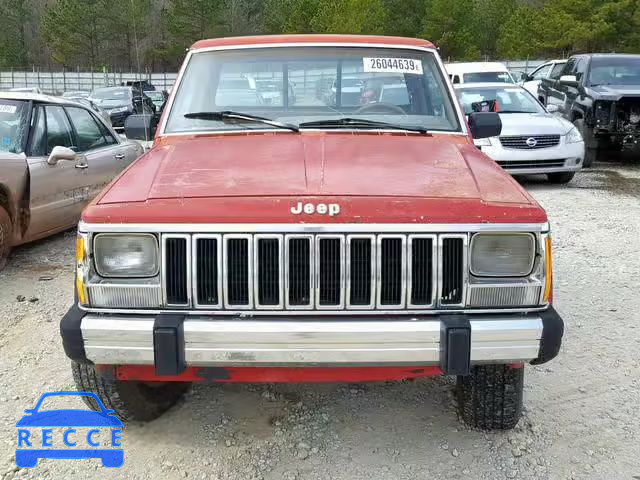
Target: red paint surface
point(274, 375)
point(257, 178)
point(275, 39)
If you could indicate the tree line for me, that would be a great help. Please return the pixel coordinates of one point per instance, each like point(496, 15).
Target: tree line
point(146, 34)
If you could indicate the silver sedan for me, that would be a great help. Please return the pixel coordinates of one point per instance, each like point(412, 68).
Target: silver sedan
point(533, 140)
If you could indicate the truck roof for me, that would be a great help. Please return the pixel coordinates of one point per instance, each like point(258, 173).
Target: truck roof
point(311, 39)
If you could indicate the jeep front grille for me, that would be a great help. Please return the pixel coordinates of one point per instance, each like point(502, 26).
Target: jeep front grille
point(314, 271)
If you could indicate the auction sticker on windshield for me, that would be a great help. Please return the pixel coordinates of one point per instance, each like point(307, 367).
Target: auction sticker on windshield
point(392, 65)
point(4, 108)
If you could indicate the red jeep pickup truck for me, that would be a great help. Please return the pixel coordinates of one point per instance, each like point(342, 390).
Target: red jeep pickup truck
point(313, 210)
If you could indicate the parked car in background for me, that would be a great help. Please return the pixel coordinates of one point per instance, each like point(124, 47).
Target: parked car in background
point(551, 70)
point(158, 97)
point(600, 94)
point(120, 102)
point(351, 88)
point(269, 243)
point(92, 105)
point(474, 72)
point(143, 85)
point(55, 156)
point(76, 94)
point(532, 139)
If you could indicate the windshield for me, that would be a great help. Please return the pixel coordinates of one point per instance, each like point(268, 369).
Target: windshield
point(13, 125)
point(111, 93)
point(615, 71)
point(487, 77)
point(508, 100)
point(403, 87)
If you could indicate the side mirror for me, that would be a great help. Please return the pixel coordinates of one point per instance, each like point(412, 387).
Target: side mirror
point(61, 153)
point(525, 77)
point(569, 80)
point(141, 127)
point(484, 125)
point(553, 108)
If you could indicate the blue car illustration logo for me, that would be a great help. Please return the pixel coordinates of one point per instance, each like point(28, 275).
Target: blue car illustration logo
point(98, 430)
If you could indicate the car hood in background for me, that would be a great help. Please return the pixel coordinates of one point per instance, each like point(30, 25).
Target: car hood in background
point(614, 92)
point(533, 124)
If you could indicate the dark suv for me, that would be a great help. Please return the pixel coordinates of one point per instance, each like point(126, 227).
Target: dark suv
point(600, 94)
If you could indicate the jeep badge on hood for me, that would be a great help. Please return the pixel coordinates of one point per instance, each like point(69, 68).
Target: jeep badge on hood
point(321, 209)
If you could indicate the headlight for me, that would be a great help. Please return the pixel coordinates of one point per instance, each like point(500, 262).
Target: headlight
point(574, 136)
point(482, 142)
point(132, 255)
point(502, 255)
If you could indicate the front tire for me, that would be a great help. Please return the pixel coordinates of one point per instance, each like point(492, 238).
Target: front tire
point(132, 401)
point(561, 177)
point(490, 398)
point(6, 234)
point(590, 143)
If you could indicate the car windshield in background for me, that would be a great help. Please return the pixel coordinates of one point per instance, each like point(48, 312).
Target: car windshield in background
point(111, 94)
point(487, 77)
point(615, 71)
point(296, 85)
point(13, 125)
point(508, 99)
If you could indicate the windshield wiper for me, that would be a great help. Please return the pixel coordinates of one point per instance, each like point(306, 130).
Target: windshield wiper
point(361, 122)
point(231, 115)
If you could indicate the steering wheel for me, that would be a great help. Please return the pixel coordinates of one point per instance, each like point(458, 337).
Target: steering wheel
point(381, 107)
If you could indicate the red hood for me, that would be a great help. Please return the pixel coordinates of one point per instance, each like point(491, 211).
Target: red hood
point(299, 167)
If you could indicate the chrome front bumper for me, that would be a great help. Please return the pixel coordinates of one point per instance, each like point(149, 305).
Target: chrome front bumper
point(572, 154)
point(400, 340)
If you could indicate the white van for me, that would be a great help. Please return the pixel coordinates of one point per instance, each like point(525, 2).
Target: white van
point(479, 72)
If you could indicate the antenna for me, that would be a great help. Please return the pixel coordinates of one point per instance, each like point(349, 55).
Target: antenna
point(138, 68)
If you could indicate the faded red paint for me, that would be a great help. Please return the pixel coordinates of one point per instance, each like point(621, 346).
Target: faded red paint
point(257, 177)
point(274, 374)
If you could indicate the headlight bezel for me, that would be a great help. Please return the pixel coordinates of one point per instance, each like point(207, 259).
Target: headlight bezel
point(103, 274)
point(532, 262)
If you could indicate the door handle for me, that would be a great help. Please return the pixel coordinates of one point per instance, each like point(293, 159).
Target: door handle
point(119, 156)
point(82, 166)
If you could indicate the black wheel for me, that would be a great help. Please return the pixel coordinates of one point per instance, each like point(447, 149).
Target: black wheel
point(590, 143)
point(490, 398)
point(561, 177)
point(6, 234)
point(131, 401)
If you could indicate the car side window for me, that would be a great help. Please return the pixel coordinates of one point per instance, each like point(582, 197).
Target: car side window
point(557, 71)
point(58, 128)
point(569, 67)
point(541, 72)
point(89, 135)
point(38, 143)
point(581, 68)
point(108, 136)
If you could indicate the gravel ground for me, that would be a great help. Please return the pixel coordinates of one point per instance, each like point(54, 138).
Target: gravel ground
point(580, 420)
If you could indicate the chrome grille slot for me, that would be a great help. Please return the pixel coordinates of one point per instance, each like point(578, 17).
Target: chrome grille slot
point(422, 271)
point(267, 268)
point(330, 271)
point(360, 271)
point(237, 271)
point(299, 272)
point(524, 142)
point(207, 270)
point(391, 268)
point(176, 274)
point(453, 267)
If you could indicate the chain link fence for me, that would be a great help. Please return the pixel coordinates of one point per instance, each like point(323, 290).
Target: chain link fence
point(55, 83)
